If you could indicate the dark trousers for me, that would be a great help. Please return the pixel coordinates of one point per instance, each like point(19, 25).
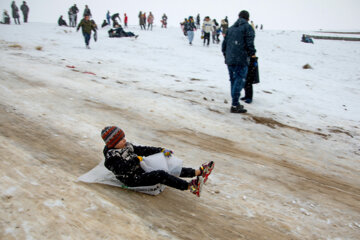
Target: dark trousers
point(248, 90)
point(17, 20)
point(207, 37)
point(237, 74)
point(87, 37)
point(160, 176)
point(25, 17)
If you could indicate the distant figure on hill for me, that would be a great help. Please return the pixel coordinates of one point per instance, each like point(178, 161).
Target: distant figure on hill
point(62, 22)
point(142, 20)
point(87, 26)
point(207, 28)
point(306, 39)
point(15, 13)
point(261, 27)
point(125, 20)
point(119, 32)
point(87, 11)
point(252, 25)
point(108, 16)
point(224, 27)
point(164, 19)
point(198, 21)
point(216, 32)
point(237, 48)
point(73, 15)
point(6, 18)
point(189, 27)
point(25, 10)
point(150, 21)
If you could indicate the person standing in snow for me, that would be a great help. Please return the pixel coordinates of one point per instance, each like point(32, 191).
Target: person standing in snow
point(164, 21)
point(87, 26)
point(74, 11)
point(207, 28)
point(124, 160)
point(25, 10)
point(141, 20)
point(189, 28)
point(15, 12)
point(237, 48)
point(150, 20)
point(108, 17)
point(125, 20)
point(87, 11)
point(198, 21)
point(216, 32)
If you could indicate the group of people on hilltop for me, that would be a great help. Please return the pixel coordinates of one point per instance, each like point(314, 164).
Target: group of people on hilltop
point(143, 19)
point(15, 13)
point(209, 28)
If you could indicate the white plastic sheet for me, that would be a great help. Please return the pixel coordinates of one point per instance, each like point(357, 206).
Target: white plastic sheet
point(100, 174)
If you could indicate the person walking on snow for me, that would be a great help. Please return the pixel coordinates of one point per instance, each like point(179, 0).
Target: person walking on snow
point(237, 48)
point(189, 27)
point(15, 12)
point(207, 28)
point(124, 160)
point(198, 21)
point(164, 21)
point(87, 26)
point(25, 10)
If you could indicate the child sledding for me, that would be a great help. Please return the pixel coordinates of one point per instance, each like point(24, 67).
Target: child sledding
point(119, 32)
point(124, 160)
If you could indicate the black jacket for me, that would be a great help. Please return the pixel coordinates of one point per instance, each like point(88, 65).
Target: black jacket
point(124, 163)
point(238, 44)
point(189, 26)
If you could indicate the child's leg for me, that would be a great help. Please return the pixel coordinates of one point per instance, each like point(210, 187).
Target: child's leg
point(187, 173)
point(159, 176)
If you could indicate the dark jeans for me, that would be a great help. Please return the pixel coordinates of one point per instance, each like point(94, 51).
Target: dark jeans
point(87, 37)
point(160, 176)
point(207, 37)
point(25, 17)
point(237, 75)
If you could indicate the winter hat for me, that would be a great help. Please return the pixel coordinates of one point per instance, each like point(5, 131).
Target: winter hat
point(112, 135)
point(244, 14)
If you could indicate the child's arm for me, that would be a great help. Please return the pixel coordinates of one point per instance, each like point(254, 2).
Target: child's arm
point(146, 150)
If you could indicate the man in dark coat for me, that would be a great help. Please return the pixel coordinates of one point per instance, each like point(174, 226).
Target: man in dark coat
point(87, 11)
point(25, 10)
point(15, 12)
point(74, 11)
point(238, 47)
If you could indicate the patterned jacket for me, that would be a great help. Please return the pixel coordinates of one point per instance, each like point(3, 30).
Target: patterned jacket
point(124, 163)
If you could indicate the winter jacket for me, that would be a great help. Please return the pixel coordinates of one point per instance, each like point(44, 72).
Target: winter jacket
point(238, 44)
point(74, 9)
point(25, 9)
point(15, 10)
point(87, 12)
point(189, 26)
point(150, 19)
point(124, 163)
point(208, 26)
point(224, 26)
point(87, 26)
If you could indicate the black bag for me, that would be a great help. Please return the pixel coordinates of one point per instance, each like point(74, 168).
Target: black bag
point(253, 72)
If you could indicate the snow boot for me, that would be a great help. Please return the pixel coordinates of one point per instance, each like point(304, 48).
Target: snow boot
point(206, 169)
point(238, 109)
point(196, 185)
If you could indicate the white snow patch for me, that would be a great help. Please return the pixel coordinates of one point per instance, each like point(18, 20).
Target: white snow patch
point(10, 191)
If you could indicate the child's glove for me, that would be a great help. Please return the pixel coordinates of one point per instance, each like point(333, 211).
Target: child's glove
point(167, 152)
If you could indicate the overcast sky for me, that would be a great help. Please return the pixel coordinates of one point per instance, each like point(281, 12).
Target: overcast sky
point(274, 14)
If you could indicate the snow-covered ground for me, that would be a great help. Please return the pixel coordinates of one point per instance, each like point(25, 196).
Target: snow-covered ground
point(289, 169)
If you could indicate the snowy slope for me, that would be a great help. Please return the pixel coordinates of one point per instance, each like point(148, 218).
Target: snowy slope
point(280, 168)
